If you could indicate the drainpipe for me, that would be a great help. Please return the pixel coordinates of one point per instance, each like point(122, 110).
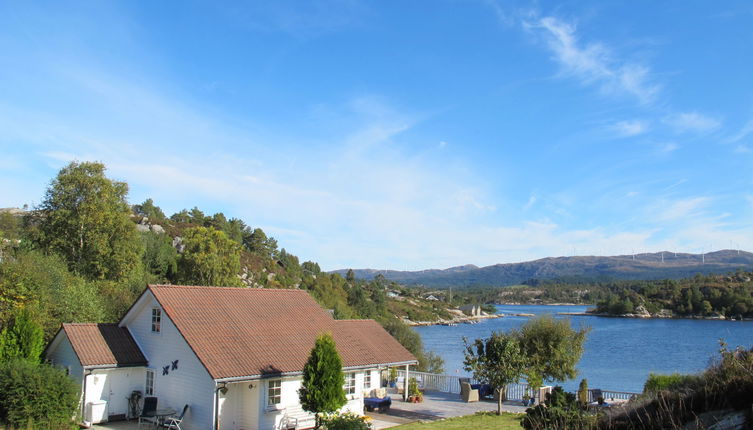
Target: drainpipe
point(217, 389)
point(87, 373)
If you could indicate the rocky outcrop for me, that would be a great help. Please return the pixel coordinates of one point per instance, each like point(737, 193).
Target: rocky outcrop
point(144, 226)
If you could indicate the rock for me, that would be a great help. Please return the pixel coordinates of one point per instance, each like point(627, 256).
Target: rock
point(178, 244)
point(158, 229)
point(143, 228)
point(641, 312)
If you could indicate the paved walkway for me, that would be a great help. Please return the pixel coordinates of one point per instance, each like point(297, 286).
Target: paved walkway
point(435, 406)
point(121, 425)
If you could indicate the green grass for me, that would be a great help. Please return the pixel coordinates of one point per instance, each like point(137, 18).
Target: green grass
point(481, 421)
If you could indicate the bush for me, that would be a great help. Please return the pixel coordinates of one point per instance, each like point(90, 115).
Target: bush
point(345, 421)
point(36, 396)
point(561, 411)
point(676, 381)
point(680, 399)
point(583, 392)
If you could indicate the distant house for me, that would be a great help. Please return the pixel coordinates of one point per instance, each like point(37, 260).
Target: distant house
point(432, 298)
point(234, 355)
point(472, 310)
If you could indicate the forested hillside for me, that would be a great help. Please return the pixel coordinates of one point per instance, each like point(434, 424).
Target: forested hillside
point(711, 296)
point(708, 296)
point(85, 254)
point(647, 266)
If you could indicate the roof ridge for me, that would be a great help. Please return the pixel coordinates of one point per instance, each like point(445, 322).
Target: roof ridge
point(88, 324)
point(202, 287)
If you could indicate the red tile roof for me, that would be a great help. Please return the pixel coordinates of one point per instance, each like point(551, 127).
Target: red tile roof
point(238, 332)
point(104, 345)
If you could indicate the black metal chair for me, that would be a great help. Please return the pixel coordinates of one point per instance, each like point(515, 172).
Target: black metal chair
point(147, 412)
point(174, 422)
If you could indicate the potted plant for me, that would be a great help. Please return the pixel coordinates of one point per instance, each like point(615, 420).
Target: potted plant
point(393, 377)
point(414, 394)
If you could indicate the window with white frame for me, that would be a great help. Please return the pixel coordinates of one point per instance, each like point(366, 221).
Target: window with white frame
point(367, 380)
point(274, 392)
point(156, 319)
point(350, 383)
point(149, 386)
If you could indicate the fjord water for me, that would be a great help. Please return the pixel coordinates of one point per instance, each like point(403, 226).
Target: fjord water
point(619, 352)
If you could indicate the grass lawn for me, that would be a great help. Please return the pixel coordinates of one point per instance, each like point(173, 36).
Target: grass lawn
point(506, 421)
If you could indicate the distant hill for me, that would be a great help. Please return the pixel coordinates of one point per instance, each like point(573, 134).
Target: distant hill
point(659, 265)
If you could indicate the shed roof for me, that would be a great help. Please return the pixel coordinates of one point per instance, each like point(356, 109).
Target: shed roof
point(247, 332)
point(103, 345)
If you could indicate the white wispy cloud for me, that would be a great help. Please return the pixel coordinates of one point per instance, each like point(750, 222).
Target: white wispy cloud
point(744, 132)
point(668, 147)
point(681, 209)
point(594, 63)
point(529, 204)
point(630, 128)
point(692, 122)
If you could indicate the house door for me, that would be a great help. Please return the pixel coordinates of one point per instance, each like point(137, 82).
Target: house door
point(117, 401)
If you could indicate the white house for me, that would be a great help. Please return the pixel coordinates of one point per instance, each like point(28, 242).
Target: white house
point(234, 355)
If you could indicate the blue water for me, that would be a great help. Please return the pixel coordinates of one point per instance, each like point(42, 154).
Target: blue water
point(619, 353)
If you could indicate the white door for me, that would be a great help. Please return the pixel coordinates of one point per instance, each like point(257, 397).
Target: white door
point(117, 390)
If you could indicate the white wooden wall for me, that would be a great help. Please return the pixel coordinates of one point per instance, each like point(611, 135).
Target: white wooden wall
point(190, 383)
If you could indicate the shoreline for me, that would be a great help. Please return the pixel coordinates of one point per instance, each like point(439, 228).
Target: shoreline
point(544, 304)
point(656, 317)
point(454, 321)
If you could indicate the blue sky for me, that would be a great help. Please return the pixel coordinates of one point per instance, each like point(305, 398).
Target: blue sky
point(398, 134)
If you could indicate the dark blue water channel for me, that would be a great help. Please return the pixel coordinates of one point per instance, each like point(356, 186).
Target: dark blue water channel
point(619, 353)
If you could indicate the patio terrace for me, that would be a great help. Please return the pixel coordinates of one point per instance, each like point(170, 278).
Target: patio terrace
point(436, 406)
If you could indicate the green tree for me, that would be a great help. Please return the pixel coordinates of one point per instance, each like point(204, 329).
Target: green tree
point(498, 360)
point(85, 218)
point(160, 257)
point(552, 348)
point(43, 285)
point(23, 339)
point(10, 225)
point(209, 258)
point(258, 243)
point(150, 210)
point(323, 379)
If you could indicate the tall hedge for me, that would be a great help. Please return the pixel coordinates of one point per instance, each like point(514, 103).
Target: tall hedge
point(36, 396)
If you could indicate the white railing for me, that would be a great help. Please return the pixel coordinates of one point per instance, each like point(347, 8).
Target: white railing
point(611, 395)
point(451, 384)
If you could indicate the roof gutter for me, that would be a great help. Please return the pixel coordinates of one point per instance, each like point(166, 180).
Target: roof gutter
point(232, 379)
point(112, 366)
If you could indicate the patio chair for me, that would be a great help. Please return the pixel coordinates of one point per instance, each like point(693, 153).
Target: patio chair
point(173, 423)
point(461, 380)
point(467, 393)
point(147, 412)
point(595, 394)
